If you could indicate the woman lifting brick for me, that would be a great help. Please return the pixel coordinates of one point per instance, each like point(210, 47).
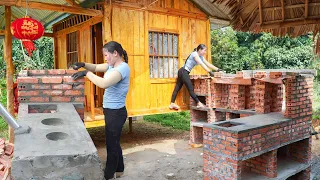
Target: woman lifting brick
point(116, 84)
point(195, 58)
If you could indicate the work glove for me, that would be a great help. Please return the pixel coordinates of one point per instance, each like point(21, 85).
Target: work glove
point(79, 74)
point(78, 65)
point(211, 73)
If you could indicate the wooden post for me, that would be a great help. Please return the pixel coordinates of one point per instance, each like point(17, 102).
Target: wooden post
point(9, 67)
point(107, 21)
point(130, 125)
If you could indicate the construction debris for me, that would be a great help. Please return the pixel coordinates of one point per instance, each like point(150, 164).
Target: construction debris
point(6, 153)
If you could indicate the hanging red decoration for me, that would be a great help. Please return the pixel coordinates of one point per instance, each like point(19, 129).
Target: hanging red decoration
point(28, 30)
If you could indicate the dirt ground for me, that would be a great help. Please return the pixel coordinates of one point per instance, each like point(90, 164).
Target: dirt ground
point(153, 152)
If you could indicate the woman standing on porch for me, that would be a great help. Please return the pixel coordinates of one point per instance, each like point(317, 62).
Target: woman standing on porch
point(196, 57)
point(116, 84)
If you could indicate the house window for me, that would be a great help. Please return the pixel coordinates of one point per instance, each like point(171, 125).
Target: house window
point(163, 55)
point(72, 48)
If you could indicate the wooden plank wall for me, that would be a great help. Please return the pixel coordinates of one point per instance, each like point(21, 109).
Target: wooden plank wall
point(130, 27)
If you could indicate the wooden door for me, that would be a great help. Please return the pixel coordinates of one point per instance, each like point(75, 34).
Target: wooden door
point(97, 59)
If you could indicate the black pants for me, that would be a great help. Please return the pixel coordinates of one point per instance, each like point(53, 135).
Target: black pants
point(114, 119)
point(183, 78)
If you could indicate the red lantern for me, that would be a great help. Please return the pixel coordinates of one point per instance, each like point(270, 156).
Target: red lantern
point(28, 30)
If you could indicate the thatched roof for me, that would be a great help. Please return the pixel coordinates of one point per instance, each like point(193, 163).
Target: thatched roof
point(280, 17)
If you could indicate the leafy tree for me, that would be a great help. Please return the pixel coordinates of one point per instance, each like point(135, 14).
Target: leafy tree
point(234, 51)
point(42, 58)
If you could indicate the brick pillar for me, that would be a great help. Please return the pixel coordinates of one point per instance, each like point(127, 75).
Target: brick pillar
point(196, 135)
point(276, 98)
point(57, 86)
point(250, 96)
point(217, 151)
point(216, 94)
point(299, 96)
point(237, 97)
point(263, 97)
point(265, 164)
point(225, 99)
point(196, 86)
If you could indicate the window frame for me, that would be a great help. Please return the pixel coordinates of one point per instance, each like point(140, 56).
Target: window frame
point(77, 52)
point(168, 32)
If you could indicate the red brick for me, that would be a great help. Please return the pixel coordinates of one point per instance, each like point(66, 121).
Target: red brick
point(71, 71)
point(40, 86)
point(226, 152)
point(61, 99)
point(56, 72)
point(28, 93)
point(80, 86)
point(232, 149)
point(27, 80)
point(72, 93)
point(51, 80)
point(69, 79)
point(232, 140)
point(52, 92)
point(36, 72)
point(9, 149)
point(256, 136)
point(62, 86)
point(39, 99)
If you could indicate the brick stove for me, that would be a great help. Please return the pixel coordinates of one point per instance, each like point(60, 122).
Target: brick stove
point(58, 145)
point(54, 86)
point(245, 131)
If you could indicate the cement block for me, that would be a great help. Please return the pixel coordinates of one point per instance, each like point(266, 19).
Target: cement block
point(57, 147)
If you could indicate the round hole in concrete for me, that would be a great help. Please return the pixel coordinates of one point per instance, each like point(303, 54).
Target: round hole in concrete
point(52, 121)
point(56, 136)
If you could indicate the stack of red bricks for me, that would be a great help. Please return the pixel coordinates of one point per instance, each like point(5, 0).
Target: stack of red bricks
point(56, 86)
point(6, 153)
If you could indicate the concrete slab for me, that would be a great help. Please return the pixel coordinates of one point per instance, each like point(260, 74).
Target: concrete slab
point(57, 147)
point(286, 168)
point(250, 123)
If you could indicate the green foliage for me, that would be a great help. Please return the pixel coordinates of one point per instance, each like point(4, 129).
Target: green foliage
point(42, 58)
point(233, 51)
point(180, 120)
point(3, 101)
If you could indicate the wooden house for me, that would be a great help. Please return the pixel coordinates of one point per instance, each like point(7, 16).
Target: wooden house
point(158, 37)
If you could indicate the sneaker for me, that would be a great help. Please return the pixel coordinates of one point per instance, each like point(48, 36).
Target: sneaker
point(174, 106)
point(200, 105)
point(119, 174)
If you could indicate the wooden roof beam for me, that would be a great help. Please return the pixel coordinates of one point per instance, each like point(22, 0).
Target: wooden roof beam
point(52, 7)
point(260, 12)
point(291, 6)
point(306, 8)
point(44, 35)
point(282, 9)
point(72, 3)
point(285, 24)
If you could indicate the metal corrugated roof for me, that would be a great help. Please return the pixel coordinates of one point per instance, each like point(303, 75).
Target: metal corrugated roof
point(47, 18)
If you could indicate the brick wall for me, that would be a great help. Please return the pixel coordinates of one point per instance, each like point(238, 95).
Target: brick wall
point(51, 86)
point(265, 164)
point(299, 96)
point(243, 145)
